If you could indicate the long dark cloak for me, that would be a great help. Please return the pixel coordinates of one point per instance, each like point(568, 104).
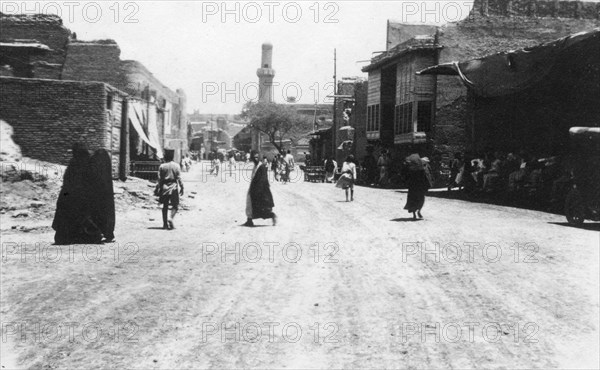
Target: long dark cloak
point(103, 199)
point(260, 194)
point(418, 184)
point(72, 221)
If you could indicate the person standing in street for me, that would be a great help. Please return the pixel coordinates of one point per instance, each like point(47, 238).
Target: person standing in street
point(383, 164)
point(289, 165)
point(348, 178)
point(259, 200)
point(418, 184)
point(103, 200)
point(73, 220)
point(330, 168)
point(169, 188)
point(274, 166)
point(232, 163)
point(307, 160)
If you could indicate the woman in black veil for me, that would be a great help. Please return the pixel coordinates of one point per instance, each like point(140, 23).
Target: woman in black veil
point(103, 199)
point(73, 218)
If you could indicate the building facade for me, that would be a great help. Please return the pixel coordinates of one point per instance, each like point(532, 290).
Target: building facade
point(40, 47)
point(49, 116)
point(432, 113)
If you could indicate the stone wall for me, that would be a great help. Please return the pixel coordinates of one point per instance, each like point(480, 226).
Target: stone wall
point(48, 116)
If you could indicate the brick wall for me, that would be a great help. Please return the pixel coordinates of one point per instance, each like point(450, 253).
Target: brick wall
point(48, 30)
point(48, 116)
point(94, 61)
point(538, 119)
point(539, 8)
point(477, 37)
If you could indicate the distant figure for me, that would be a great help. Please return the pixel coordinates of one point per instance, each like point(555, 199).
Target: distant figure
point(348, 178)
point(370, 165)
point(73, 221)
point(418, 184)
point(455, 168)
point(307, 159)
point(169, 188)
point(103, 201)
point(187, 162)
point(383, 163)
point(274, 166)
point(259, 200)
point(289, 166)
point(247, 157)
point(330, 167)
point(232, 163)
point(216, 165)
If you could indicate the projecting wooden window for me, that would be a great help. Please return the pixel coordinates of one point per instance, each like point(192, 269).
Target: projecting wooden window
point(373, 117)
point(377, 115)
point(424, 116)
point(396, 120)
point(403, 123)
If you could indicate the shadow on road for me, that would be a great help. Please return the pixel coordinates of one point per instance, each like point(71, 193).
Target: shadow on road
point(406, 219)
point(594, 226)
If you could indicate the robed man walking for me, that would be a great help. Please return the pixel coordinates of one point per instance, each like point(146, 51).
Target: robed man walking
point(259, 200)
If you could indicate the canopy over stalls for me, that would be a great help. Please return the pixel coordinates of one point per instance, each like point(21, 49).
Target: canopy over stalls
point(142, 116)
point(510, 72)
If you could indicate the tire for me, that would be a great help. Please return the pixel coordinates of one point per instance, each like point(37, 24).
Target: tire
point(574, 208)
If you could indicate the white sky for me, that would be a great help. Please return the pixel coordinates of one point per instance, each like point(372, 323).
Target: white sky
point(188, 45)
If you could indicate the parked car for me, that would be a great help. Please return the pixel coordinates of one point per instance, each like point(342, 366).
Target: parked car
point(583, 200)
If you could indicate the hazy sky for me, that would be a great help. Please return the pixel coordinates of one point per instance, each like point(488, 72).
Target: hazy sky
point(202, 48)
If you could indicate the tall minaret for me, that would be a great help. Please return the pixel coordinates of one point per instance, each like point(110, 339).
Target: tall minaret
point(265, 74)
point(265, 85)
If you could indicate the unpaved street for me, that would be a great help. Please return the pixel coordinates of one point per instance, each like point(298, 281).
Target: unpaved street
point(334, 284)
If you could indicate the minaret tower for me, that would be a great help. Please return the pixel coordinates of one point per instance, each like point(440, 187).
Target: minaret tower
point(265, 85)
point(266, 74)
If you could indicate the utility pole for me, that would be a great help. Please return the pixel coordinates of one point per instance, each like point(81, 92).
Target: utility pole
point(315, 126)
point(334, 127)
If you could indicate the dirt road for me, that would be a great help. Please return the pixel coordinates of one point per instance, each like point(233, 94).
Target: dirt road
point(334, 284)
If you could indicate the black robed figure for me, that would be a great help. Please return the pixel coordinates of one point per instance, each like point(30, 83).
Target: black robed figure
point(259, 200)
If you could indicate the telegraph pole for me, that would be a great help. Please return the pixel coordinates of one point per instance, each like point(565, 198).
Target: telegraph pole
point(334, 127)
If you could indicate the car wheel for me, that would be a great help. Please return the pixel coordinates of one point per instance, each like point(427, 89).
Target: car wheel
point(574, 208)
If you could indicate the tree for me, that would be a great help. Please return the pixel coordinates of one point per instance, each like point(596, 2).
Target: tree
point(278, 122)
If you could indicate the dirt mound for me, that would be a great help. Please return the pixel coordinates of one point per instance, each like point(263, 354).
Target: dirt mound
point(29, 188)
point(9, 151)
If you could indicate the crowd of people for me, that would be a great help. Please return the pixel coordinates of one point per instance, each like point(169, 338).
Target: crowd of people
point(85, 211)
point(497, 172)
point(282, 166)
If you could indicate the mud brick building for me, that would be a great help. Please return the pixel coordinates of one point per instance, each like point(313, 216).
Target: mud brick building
point(45, 30)
point(431, 111)
point(528, 99)
point(39, 47)
point(47, 116)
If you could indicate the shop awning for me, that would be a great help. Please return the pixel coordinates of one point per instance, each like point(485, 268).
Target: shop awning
point(509, 72)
